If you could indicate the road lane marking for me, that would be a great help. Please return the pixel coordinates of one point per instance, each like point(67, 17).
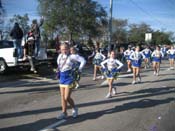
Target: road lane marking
point(50, 127)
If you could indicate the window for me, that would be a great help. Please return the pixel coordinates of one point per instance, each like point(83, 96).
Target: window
point(6, 44)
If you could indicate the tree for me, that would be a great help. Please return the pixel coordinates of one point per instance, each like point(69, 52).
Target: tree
point(75, 17)
point(2, 15)
point(160, 37)
point(22, 21)
point(119, 32)
point(137, 32)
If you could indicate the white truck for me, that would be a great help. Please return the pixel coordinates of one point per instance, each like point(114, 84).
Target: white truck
point(8, 57)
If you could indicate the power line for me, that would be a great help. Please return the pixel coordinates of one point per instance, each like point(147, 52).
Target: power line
point(172, 2)
point(144, 11)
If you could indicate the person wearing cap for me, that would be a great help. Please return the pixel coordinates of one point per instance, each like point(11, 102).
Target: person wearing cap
point(29, 52)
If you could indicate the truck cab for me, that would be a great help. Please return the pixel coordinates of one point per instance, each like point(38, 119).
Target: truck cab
point(8, 56)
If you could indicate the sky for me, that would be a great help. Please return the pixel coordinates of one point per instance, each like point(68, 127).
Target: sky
point(159, 14)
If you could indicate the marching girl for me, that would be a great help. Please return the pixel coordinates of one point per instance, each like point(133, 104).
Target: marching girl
point(147, 53)
point(156, 58)
point(66, 81)
point(136, 60)
point(171, 54)
point(98, 58)
point(110, 68)
point(76, 64)
point(127, 53)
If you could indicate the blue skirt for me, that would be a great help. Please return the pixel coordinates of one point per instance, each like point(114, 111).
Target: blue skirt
point(156, 59)
point(136, 63)
point(147, 55)
point(127, 57)
point(66, 78)
point(171, 56)
point(97, 62)
point(110, 74)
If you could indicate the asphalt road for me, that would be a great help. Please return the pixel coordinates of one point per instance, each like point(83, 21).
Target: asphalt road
point(32, 104)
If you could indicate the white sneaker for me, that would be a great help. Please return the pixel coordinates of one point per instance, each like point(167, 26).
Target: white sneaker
point(108, 95)
point(33, 70)
point(129, 70)
point(62, 116)
point(172, 68)
point(75, 112)
point(102, 77)
point(133, 82)
point(154, 73)
point(157, 74)
point(77, 86)
point(114, 91)
point(139, 80)
point(94, 79)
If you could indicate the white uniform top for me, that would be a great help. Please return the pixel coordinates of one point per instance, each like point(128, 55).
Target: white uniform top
point(98, 55)
point(68, 61)
point(146, 51)
point(171, 51)
point(137, 56)
point(157, 54)
point(112, 63)
point(128, 52)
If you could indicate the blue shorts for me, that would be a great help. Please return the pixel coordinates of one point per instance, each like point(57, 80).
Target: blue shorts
point(97, 62)
point(66, 78)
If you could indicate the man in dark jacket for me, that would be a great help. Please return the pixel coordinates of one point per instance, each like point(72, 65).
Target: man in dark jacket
point(17, 35)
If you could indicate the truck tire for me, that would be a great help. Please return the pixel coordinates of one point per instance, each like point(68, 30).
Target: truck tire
point(3, 66)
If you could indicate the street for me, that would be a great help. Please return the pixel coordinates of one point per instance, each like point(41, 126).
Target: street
point(33, 103)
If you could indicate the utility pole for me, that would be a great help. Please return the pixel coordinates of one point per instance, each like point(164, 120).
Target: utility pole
point(110, 26)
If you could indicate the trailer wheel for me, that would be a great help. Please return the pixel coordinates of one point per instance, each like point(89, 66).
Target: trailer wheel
point(3, 66)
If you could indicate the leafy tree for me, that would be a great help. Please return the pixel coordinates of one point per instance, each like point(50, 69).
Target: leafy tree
point(22, 21)
point(2, 14)
point(73, 17)
point(160, 37)
point(119, 30)
point(137, 32)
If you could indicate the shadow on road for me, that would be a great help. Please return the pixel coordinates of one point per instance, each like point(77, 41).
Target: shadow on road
point(146, 102)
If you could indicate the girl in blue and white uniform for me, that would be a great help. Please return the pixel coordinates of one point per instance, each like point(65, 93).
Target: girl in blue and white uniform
point(76, 64)
point(136, 60)
point(147, 53)
point(111, 67)
point(98, 58)
point(171, 55)
point(127, 54)
point(156, 59)
point(66, 80)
